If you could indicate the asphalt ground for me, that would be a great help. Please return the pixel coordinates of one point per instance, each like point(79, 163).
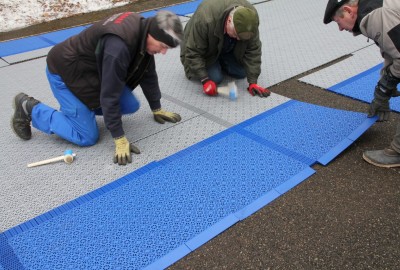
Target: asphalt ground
point(345, 216)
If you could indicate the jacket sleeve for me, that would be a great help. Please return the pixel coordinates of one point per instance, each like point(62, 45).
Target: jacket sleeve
point(196, 49)
point(150, 86)
point(113, 70)
point(383, 26)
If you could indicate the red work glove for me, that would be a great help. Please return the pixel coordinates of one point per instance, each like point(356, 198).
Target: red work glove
point(255, 89)
point(210, 88)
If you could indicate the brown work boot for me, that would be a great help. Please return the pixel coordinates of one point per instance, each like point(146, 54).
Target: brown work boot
point(21, 121)
point(386, 158)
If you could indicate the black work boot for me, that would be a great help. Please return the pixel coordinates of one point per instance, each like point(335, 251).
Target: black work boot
point(387, 158)
point(21, 121)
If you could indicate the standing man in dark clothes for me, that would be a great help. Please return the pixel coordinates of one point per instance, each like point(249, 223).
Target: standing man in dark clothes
point(94, 73)
point(378, 20)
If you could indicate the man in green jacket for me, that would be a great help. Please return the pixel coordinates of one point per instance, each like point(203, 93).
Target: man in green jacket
point(222, 36)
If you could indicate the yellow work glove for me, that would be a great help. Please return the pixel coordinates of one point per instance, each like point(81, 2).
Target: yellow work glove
point(123, 150)
point(161, 116)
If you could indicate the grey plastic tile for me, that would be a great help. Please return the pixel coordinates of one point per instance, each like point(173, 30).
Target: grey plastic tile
point(299, 41)
point(3, 63)
point(174, 83)
point(358, 62)
point(172, 140)
point(255, 2)
point(27, 55)
point(33, 81)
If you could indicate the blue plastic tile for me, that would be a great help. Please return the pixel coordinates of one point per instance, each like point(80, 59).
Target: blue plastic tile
point(59, 36)
point(361, 87)
point(8, 260)
point(309, 130)
point(148, 14)
point(22, 45)
point(146, 220)
point(185, 8)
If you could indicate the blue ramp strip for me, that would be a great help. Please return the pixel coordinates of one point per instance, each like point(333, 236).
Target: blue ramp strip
point(155, 216)
point(185, 8)
point(37, 42)
point(59, 36)
point(148, 14)
point(362, 86)
point(313, 133)
point(22, 45)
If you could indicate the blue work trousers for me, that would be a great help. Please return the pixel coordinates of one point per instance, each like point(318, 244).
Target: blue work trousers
point(227, 63)
point(74, 122)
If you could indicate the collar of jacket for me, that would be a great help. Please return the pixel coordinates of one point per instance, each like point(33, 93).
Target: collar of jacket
point(145, 24)
point(364, 8)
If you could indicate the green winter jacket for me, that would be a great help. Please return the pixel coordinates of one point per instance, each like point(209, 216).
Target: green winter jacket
point(204, 36)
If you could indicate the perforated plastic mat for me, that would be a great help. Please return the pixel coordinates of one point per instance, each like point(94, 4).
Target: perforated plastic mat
point(358, 62)
point(147, 214)
point(362, 87)
point(289, 48)
point(159, 213)
point(308, 132)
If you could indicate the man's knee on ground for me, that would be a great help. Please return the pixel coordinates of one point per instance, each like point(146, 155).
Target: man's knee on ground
point(87, 139)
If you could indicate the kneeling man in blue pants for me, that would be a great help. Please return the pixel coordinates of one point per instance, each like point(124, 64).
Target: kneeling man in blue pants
point(94, 73)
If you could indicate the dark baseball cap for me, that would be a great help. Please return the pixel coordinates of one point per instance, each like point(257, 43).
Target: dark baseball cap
point(331, 8)
point(246, 22)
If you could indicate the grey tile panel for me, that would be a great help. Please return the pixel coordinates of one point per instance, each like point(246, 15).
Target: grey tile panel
point(358, 62)
point(27, 55)
point(3, 63)
point(295, 40)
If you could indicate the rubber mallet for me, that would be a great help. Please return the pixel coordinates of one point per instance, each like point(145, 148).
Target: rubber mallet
point(68, 157)
point(228, 91)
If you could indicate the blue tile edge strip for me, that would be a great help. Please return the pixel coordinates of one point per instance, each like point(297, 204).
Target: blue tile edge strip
point(169, 258)
point(334, 152)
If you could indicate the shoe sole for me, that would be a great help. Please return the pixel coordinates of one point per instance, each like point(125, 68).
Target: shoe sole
point(379, 164)
point(14, 105)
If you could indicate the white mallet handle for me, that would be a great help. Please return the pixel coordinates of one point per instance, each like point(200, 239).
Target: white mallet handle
point(66, 158)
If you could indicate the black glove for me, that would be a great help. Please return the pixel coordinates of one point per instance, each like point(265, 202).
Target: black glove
point(388, 83)
point(380, 105)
